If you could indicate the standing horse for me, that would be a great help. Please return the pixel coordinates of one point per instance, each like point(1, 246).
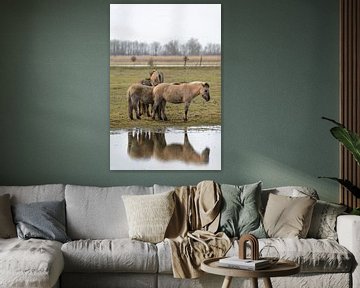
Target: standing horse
point(178, 93)
point(137, 93)
point(156, 77)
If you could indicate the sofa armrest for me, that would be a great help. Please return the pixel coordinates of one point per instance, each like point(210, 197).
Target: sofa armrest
point(348, 230)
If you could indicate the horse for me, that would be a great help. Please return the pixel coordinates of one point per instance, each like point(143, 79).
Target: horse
point(137, 93)
point(156, 77)
point(178, 93)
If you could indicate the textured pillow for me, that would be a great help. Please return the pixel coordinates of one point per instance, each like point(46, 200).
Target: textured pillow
point(149, 215)
point(323, 222)
point(7, 227)
point(288, 217)
point(240, 210)
point(44, 220)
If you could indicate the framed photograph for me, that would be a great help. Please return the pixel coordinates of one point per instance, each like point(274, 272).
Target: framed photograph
point(165, 87)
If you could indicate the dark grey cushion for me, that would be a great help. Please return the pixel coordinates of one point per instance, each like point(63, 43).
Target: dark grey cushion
point(44, 220)
point(240, 213)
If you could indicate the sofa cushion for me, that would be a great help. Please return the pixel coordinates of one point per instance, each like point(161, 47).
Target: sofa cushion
point(240, 210)
point(43, 220)
point(36, 193)
point(98, 213)
point(7, 226)
point(291, 191)
point(313, 255)
point(149, 215)
point(30, 263)
point(287, 216)
point(117, 255)
point(323, 222)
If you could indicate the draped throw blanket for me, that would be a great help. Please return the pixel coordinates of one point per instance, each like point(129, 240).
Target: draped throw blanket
point(191, 231)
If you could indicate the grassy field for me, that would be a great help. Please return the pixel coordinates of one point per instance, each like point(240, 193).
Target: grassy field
point(201, 113)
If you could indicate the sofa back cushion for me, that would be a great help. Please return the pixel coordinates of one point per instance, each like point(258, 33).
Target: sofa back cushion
point(291, 191)
point(98, 212)
point(36, 193)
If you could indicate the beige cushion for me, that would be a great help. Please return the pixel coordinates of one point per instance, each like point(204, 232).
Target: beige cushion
point(7, 226)
point(110, 255)
point(287, 217)
point(149, 215)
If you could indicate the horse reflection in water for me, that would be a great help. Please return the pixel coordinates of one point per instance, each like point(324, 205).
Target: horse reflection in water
point(145, 145)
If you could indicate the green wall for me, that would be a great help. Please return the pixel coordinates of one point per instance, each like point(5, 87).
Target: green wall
point(280, 75)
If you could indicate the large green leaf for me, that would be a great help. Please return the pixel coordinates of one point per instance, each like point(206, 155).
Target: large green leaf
point(348, 138)
point(347, 184)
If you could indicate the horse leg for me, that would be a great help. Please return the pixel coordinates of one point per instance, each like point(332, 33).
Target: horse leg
point(155, 109)
point(137, 107)
point(130, 109)
point(187, 104)
point(141, 108)
point(162, 110)
point(148, 110)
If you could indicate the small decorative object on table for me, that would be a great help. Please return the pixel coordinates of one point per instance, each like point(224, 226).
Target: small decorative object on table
point(280, 268)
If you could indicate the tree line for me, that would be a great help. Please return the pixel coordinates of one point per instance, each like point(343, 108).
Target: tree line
point(173, 47)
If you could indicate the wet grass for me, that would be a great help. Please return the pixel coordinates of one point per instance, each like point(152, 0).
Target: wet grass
point(201, 113)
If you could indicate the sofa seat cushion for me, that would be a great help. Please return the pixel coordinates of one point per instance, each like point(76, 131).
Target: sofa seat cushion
point(313, 255)
point(115, 255)
point(30, 263)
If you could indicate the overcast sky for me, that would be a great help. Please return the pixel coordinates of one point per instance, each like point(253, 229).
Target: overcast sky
point(165, 22)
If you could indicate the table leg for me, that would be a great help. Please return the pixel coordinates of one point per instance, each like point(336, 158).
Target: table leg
point(227, 282)
point(267, 283)
point(254, 282)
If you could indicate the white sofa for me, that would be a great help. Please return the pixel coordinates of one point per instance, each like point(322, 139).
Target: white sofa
point(101, 254)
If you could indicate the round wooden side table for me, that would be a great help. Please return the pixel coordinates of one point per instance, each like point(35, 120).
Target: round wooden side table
point(281, 268)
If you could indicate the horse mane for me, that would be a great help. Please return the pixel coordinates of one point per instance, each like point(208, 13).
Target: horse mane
point(179, 83)
point(200, 82)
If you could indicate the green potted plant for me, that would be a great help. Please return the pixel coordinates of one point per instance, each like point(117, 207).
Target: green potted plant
point(351, 141)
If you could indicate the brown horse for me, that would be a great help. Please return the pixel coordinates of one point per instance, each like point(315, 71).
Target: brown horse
point(137, 93)
point(178, 93)
point(156, 77)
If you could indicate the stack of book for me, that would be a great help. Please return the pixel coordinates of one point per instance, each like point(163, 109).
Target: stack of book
point(248, 264)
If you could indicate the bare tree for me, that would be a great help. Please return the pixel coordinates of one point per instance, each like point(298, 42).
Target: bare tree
point(212, 49)
point(155, 48)
point(172, 48)
point(193, 47)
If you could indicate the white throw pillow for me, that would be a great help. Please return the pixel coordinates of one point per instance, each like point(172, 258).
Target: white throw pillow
point(149, 215)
